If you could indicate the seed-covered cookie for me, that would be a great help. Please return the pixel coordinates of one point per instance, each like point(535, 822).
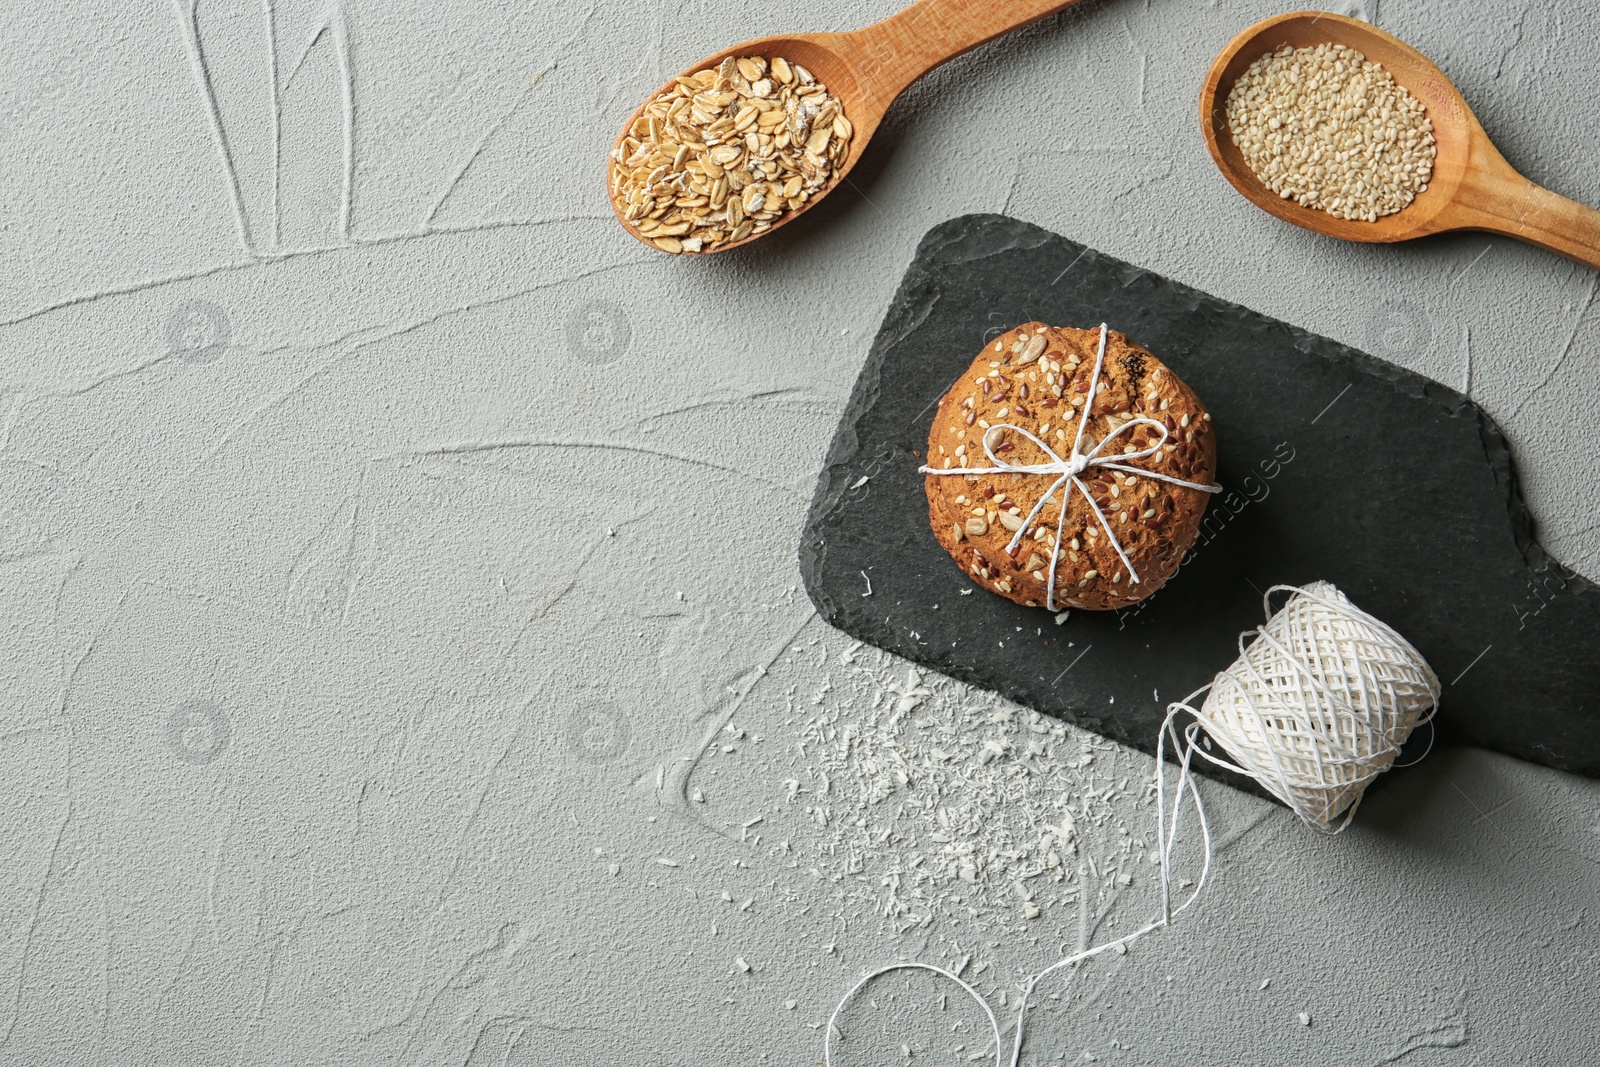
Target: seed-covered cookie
point(1028, 388)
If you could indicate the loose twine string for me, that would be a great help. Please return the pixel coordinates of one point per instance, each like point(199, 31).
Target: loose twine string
point(1069, 469)
point(1314, 708)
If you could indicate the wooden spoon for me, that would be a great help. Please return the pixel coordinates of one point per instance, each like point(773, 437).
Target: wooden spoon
point(867, 69)
point(1472, 187)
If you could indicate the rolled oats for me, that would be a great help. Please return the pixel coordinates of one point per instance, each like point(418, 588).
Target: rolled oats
point(726, 152)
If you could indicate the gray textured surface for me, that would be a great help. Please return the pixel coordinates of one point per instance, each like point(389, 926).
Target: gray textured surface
point(385, 533)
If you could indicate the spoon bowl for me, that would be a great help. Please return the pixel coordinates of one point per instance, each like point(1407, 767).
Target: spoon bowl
point(825, 55)
point(865, 70)
point(1472, 186)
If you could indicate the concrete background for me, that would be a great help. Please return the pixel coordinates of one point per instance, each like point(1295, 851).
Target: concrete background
point(399, 561)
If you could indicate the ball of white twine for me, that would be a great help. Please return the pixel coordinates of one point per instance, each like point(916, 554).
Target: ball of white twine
point(1316, 706)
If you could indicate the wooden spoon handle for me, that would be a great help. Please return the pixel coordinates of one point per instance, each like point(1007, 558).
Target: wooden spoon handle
point(1503, 201)
point(906, 45)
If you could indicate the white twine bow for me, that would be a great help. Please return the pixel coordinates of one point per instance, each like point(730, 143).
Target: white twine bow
point(1069, 469)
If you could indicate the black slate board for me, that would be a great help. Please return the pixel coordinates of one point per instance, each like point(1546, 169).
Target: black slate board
point(1338, 466)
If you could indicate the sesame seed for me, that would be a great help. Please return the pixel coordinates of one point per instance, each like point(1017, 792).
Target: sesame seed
point(1329, 129)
